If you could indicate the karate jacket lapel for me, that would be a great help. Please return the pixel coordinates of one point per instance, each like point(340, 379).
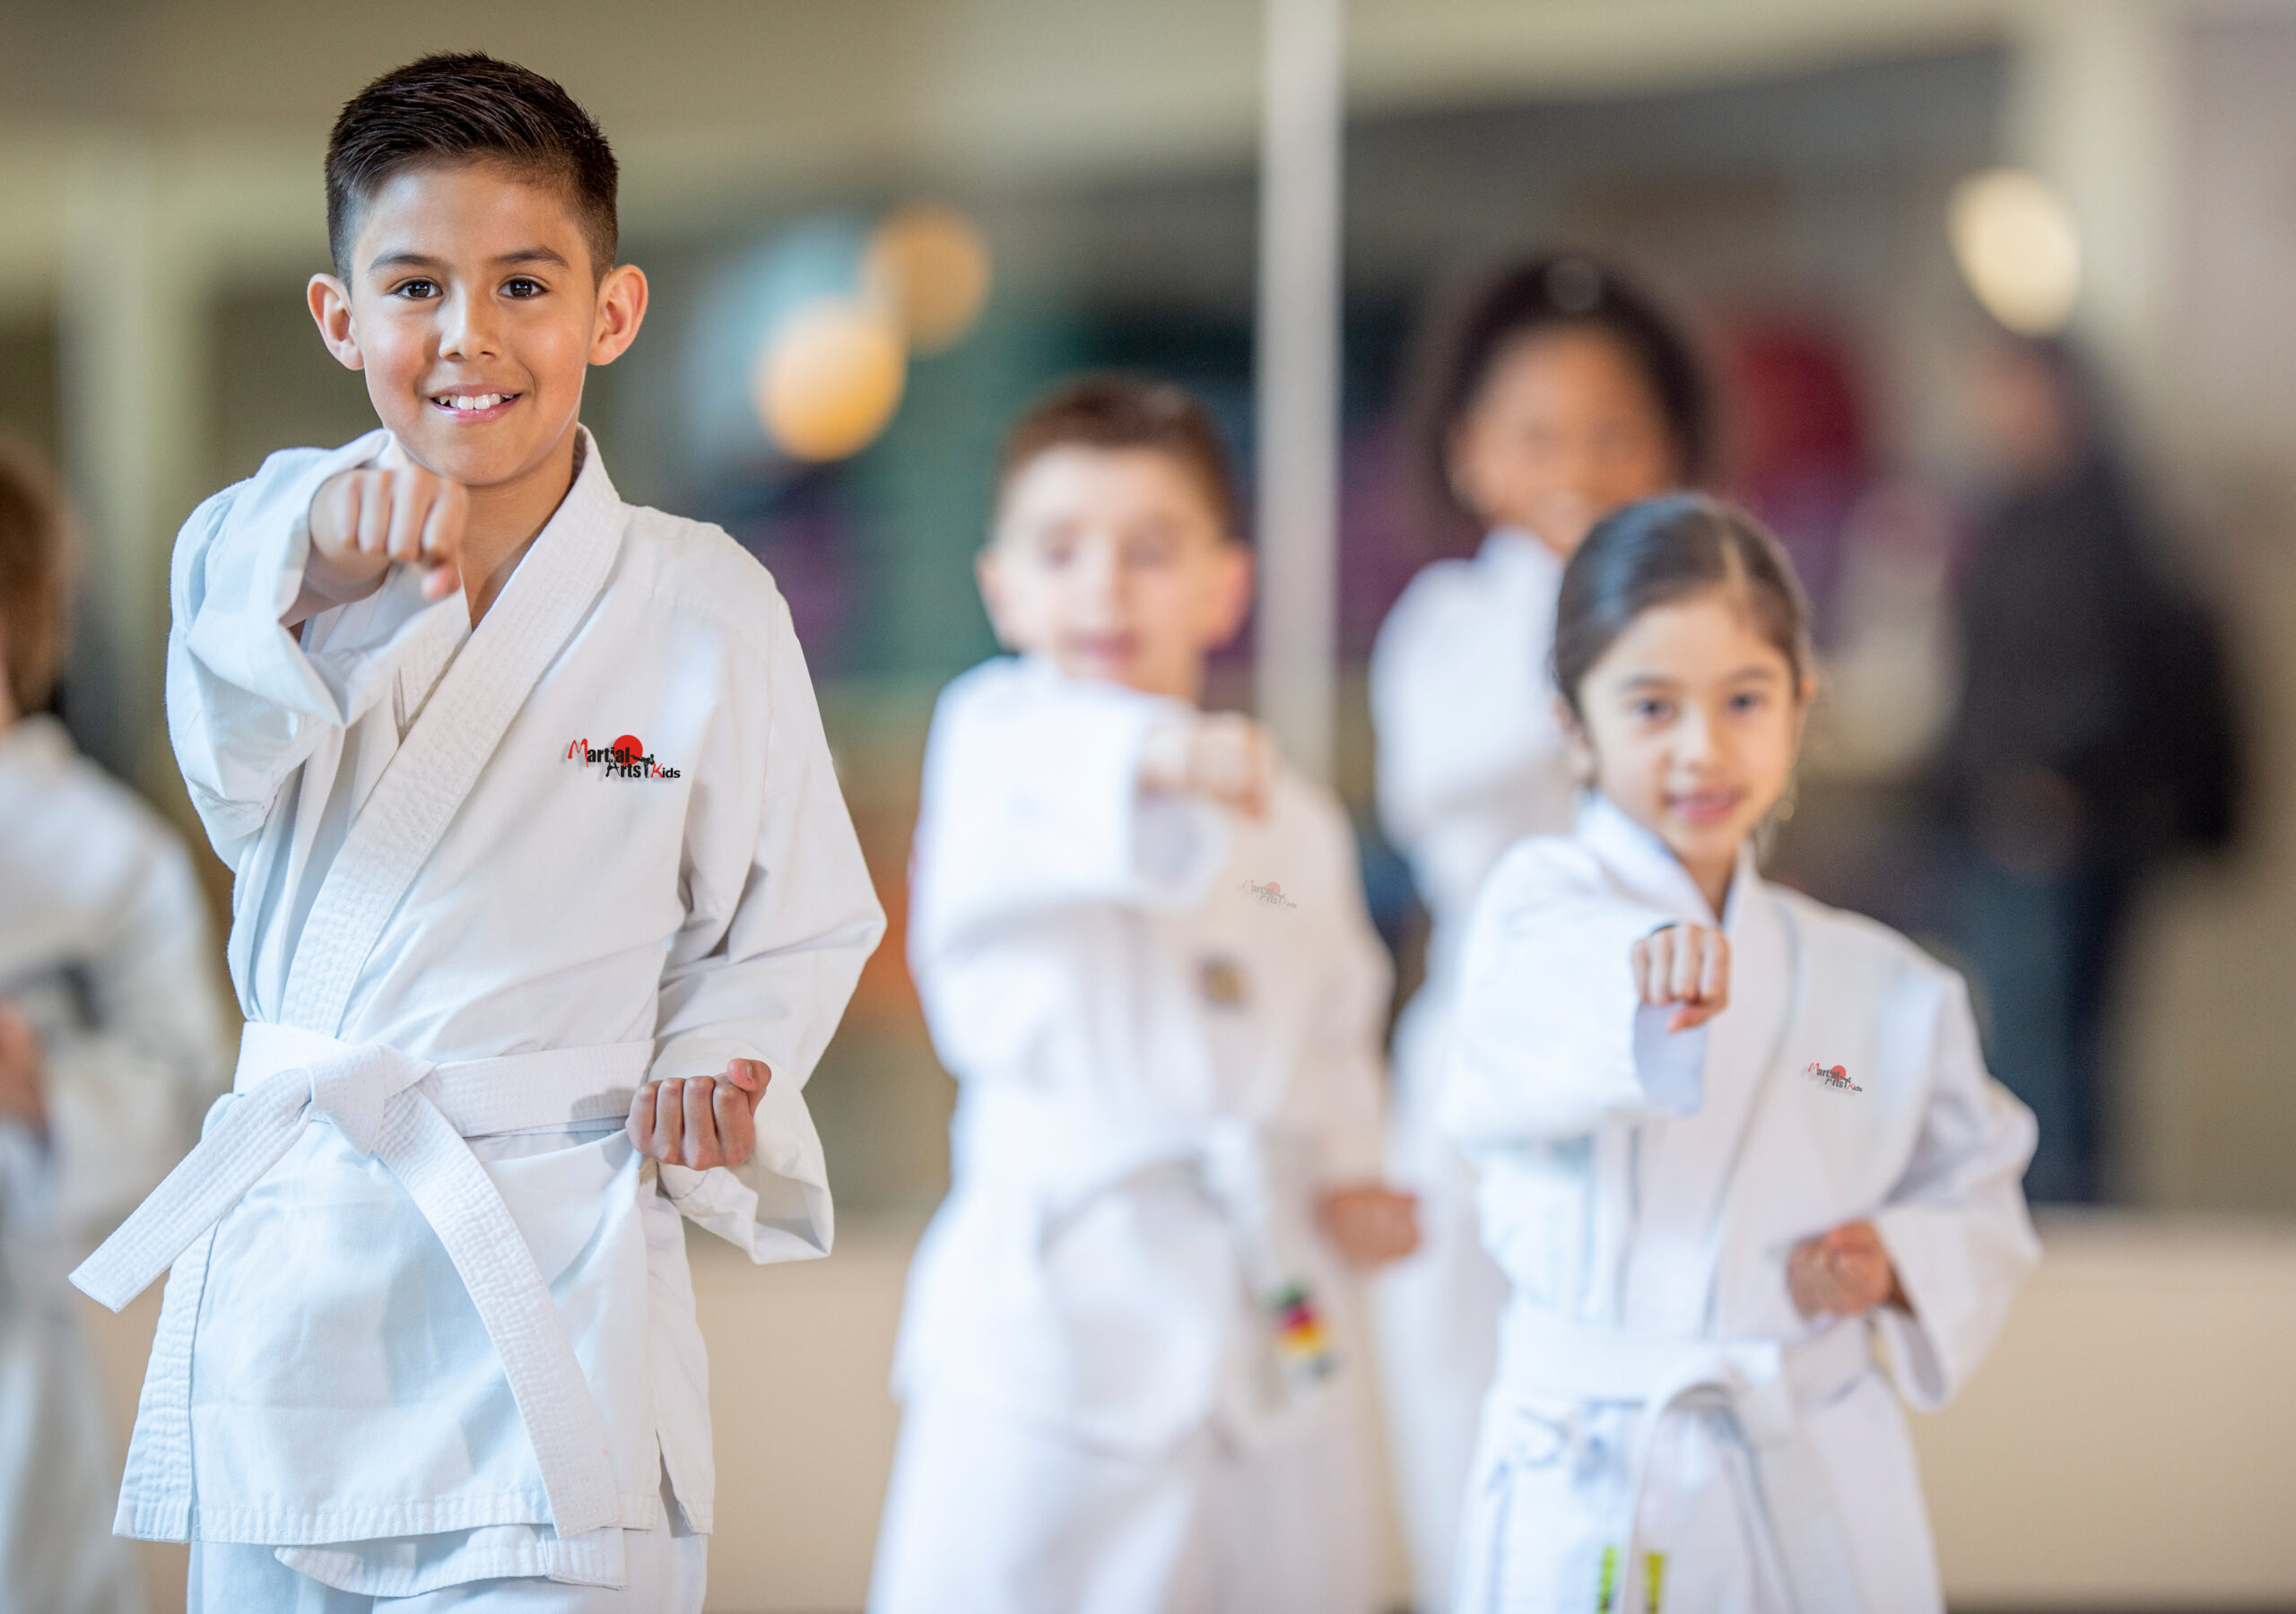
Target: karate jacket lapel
point(440, 760)
point(1685, 1167)
point(1690, 1165)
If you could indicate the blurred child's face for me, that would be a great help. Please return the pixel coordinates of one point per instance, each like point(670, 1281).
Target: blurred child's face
point(1564, 430)
point(473, 309)
point(1690, 723)
point(1113, 563)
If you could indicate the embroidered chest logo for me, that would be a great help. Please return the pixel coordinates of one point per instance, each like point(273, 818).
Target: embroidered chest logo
point(626, 758)
point(1832, 1076)
point(1272, 894)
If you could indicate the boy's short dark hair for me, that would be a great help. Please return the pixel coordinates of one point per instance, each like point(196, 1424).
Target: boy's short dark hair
point(1119, 409)
point(35, 575)
point(470, 108)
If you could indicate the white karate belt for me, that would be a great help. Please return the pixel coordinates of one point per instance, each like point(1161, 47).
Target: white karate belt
point(1013, 1143)
point(1764, 1384)
point(412, 1115)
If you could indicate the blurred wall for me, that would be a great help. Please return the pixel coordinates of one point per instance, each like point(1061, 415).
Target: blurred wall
point(158, 177)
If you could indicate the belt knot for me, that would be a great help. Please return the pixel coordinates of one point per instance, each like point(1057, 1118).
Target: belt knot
point(352, 1089)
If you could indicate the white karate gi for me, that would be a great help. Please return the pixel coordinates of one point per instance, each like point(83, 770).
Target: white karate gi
point(432, 1322)
point(1164, 1023)
point(104, 946)
point(1658, 1393)
point(1471, 760)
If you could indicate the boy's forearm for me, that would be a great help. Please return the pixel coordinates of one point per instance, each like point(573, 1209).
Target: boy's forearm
point(325, 585)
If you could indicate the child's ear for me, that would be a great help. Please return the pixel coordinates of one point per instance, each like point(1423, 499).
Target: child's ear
point(990, 575)
point(1578, 750)
point(1805, 697)
point(330, 304)
point(1231, 593)
point(621, 308)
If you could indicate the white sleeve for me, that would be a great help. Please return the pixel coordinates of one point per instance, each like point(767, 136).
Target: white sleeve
point(1956, 1227)
point(780, 918)
point(125, 1098)
point(1549, 1037)
point(249, 699)
point(1032, 801)
point(1338, 1089)
point(1459, 759)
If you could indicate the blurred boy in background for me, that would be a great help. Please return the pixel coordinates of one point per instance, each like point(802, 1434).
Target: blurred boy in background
point(1126, 1373)
point(111, 1044)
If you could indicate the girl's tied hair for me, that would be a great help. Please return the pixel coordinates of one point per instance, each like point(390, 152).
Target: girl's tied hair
point(1658, 551)
point(36, 576)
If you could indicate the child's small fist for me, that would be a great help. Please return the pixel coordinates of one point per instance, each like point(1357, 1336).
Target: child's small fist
point(1369, 1224)
point(366, 520)
point(699, 1122)
point(1222, 755)
point(1842, 1273)
point(24, 1070)
point(1684, 964)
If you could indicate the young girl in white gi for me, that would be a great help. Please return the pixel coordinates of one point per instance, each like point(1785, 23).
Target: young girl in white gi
point(1739, 1156)
point(545, 905)
point(1555, 393)
point(111, 1044)
point(1142, 950)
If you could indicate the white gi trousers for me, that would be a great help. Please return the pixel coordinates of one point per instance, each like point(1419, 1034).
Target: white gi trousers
point(1209, 1527)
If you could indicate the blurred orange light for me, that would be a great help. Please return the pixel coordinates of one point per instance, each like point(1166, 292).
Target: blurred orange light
point(929, 264)
point(830, 379)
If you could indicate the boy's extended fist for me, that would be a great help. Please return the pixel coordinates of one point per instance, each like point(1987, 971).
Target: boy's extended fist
point(366, 520)
point(1222, 755)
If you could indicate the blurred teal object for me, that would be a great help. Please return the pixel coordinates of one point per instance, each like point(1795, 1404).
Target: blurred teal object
point(744, 301)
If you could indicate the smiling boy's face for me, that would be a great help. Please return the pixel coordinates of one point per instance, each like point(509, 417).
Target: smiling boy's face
point(473, 307)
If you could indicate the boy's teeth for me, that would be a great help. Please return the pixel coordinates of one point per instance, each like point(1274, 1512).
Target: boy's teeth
point(474, 401)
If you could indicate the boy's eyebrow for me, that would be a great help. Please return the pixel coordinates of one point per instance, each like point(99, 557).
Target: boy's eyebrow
point(423, 260)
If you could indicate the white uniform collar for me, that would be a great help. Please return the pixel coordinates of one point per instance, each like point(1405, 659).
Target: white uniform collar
point(1649, 869)
point(1039, 666)
point(1519, 547)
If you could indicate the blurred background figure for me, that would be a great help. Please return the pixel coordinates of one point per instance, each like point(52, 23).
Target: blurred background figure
point(111, 1044)
point(1553, 392)
point(2095, 736)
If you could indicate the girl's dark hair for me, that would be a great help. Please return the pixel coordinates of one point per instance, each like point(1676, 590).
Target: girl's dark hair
point(463, 108)
point(35, 571)
point(1556, 291)
point(1123, 409)
point(1656, 552)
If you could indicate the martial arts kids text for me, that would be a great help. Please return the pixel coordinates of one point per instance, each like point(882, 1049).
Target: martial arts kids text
point(627, 758)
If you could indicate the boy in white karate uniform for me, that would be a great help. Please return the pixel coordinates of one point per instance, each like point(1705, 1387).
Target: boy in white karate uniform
point(1739, 1155)
point(545, 903)
point(112, 1043)
point(1558, 391)
point(1142, 951)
